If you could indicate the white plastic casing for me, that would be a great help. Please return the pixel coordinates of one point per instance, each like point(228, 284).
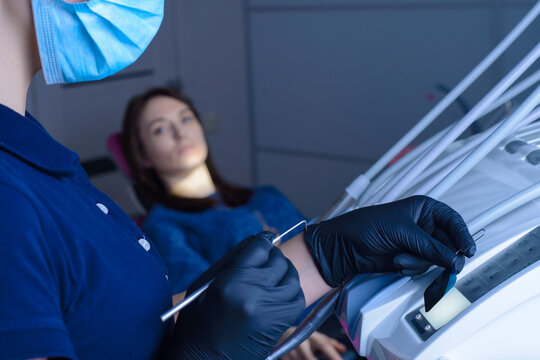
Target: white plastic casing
point(503, 323)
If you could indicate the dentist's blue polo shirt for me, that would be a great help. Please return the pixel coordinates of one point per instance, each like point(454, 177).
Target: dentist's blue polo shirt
point(78, 279)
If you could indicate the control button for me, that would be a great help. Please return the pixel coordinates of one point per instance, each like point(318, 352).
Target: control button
point(533, 253)
point(427, 327)
point(102, 208)
point(418, 317)
point(525, 241)
point(472, 283)
point(493, 274)
point(533, 157)
point(511, 261)
point(474, 290)
point(145, 244)
point(513, 146)
point(523, 245)
point(536, 231)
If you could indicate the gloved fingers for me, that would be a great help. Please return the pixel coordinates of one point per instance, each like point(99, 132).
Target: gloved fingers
point(255, 252)
point(411, 265)
point(411, 262)
point(412, 272)
point(258, 245)
point(231, 258)
point(442, 236)
point(250, 252)
point(275, 269)
point(424, 246)
point(282, 309)
point(451, 222)
point(288, 287)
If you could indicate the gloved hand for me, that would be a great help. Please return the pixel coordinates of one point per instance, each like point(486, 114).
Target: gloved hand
point(254, 299)
point(390, 237)
point(410, 265)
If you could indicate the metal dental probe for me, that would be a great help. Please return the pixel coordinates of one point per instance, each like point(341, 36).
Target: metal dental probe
point(188, 300)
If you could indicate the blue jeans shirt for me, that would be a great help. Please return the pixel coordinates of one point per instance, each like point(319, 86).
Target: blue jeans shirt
point(190, 242)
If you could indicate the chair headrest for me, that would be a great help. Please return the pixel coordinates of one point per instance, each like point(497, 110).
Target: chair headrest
point(114, 145)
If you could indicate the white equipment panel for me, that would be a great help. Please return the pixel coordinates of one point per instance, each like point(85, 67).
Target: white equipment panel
point(494, 310)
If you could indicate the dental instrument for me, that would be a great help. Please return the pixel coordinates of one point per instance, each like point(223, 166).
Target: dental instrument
point(458, 90)
point(513, 92)
point(401, 166)
point(390, 177)
point(492, 293)
point(363, 180)
point(463, 124)
point(367, 197)
point(439, 171)
point(320, 313)
point(513, 120)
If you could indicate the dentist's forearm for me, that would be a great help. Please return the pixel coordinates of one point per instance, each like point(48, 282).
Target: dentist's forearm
point(311, 281)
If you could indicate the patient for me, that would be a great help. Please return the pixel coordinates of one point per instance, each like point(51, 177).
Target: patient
point(193, 206)
point(196, 216)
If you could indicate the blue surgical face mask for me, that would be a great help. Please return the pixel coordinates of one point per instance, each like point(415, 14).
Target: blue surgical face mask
point(92, 40)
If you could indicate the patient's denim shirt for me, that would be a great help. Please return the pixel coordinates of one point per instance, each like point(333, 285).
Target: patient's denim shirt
point(190, 242)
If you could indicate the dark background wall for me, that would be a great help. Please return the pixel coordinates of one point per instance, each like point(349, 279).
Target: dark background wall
point(302, 94)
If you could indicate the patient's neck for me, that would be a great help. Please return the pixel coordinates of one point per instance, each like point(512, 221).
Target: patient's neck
point(196, 183)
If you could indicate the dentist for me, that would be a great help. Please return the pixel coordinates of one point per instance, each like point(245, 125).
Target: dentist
point(79, 280)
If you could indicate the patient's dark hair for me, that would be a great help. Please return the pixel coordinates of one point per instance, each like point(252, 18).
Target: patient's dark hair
point(148, 185)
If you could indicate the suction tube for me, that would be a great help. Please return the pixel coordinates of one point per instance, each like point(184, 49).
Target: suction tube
point(457, 91)
point(463, 124)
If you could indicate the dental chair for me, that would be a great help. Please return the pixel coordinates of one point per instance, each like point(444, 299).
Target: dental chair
point(114, 146)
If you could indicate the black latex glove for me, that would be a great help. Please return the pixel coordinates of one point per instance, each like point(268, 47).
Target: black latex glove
point(390, 237)
point(410, 265)
point(255, 297)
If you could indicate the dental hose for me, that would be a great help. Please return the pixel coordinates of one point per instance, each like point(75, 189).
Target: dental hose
point(312, 321)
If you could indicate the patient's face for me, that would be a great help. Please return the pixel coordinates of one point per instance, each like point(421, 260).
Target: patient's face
point(172, 137)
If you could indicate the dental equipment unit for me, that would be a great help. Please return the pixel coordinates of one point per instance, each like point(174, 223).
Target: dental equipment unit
point(492, 311)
